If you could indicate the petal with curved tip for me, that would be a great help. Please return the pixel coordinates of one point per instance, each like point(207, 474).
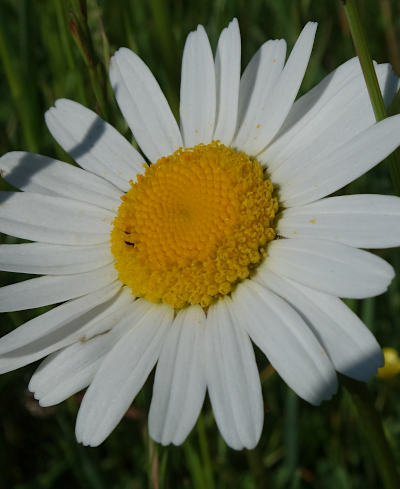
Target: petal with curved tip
point(42, 175)
point(326, 117)
point(310, 180)
point(330, 267)
point(93, 143)
point(227, 74)
point(286, 340)
point(75, 320)
point(349, 343)
point(232, 379)
point(198, 91)
point(121, 376)
point(143, 105)
point(257, 83)
point(69, 370)
point(179, 384)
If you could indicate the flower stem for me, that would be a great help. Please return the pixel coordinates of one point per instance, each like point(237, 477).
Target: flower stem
point(375, 94)
point(15, 81)
point(81, 34)
point(205, 455)
point(372, 428)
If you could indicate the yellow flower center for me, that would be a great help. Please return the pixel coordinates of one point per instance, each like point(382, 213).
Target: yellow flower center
point(195, 224)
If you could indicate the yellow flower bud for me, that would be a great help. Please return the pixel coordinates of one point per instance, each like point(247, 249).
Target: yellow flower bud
point(392, 364)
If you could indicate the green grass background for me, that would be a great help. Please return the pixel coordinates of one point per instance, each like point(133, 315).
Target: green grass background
point(301, 446)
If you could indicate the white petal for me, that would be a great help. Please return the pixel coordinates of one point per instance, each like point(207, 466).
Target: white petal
point(70, 370)
point(349, 343)
point(39, 174)
point(316, 178)
point(280, 99)
point(227, 74)
point(53, 219)
point(256, 86)
point(121, 376)
point(143, 105)
point(329, 267)
point(306, 109)
point(93, 143)
point(179, 384)
point(364, 221)
point(198, 91)
point(48, 289)
point(286, 340)
point(49, 259)
point(75, 320)
point(232, 379)
point(55, 320)
point(326, 117)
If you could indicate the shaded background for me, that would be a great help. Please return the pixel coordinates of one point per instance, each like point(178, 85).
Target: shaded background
point(301, 446)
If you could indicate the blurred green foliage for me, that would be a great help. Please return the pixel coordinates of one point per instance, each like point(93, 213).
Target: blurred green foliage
point(301, 446)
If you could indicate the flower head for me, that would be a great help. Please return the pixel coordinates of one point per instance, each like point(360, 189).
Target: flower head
point(219, 233)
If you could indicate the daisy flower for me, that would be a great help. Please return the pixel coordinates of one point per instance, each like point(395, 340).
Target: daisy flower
point(219, 234)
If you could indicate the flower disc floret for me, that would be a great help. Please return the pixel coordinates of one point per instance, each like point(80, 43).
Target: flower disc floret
point(196, 223)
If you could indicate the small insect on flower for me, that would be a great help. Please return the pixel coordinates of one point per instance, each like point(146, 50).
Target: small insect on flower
point(170, 257)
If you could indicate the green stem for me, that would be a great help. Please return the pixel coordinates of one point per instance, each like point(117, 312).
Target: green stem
point(291, 433)
point(17, 92)
point(205, 455)
point(372, 428)
point(257, 469)
point(82, 36)
point(375, 94)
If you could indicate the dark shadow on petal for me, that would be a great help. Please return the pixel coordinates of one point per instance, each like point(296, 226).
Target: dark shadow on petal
point(25, 170)
point(90, 139)
point(390, 88)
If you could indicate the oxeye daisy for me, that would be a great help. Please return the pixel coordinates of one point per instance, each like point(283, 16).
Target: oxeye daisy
point(217, 234)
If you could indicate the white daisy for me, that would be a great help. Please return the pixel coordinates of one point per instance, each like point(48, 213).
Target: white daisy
point(193, 271)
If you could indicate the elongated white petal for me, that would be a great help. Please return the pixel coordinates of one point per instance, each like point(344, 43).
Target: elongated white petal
point(179, 384)
point(272, 113)
point(319, 177)
point(48, 289)
point(121, 376)
point(55, 320)
point(329, 267)
point(364, 221)
point(256, 85)
point(227, 74)
point(286, 340)
point(67, 372)
point(232, 379)
point(71, 369)
point(39, 174)
point(49, 259)
point(326, 117)
point(53, 219)
point(143, 105)
point(349, 343)
point(75, 320)
point(198, 92)
point(306, 109)
point(93, 143)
